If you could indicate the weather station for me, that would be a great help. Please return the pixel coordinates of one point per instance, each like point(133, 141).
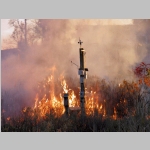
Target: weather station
point(82, 72)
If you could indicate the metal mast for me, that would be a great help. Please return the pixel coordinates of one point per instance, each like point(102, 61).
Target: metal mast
point(83, 75)
point(25, 33)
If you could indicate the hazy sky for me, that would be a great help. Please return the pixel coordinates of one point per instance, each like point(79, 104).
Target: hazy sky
point(6, 30)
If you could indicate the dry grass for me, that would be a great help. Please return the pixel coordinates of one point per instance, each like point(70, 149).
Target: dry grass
point(132, 111)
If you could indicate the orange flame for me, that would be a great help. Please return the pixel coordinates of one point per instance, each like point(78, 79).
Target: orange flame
point(48, 99)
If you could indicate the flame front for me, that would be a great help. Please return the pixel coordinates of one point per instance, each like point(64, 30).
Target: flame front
point(50, 98)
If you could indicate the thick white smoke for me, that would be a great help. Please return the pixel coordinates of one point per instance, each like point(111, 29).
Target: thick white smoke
point(112, 50)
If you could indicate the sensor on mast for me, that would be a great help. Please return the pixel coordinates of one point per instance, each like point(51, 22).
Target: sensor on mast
point(83, 75)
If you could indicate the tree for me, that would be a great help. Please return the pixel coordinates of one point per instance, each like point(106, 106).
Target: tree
point(41, 29)
point(19, 33)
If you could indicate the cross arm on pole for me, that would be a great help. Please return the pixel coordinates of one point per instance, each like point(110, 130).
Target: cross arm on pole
point(80, 42)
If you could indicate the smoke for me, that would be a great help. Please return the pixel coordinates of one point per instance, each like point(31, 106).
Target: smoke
point(112, 46)
point(112, 50)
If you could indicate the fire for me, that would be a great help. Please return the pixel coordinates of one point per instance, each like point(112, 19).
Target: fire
point(72, 99)
point(64, 85)
point(36, 101)
point(47, 100)
point(92, 105)
point(115, 114)
point(50, 98)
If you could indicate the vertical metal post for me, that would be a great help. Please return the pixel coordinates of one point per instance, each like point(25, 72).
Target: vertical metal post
point(25, 34)
point(66, 104)
point(83, 75)
point(81, 70)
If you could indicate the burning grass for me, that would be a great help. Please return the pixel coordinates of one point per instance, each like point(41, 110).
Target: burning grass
point(108, 106)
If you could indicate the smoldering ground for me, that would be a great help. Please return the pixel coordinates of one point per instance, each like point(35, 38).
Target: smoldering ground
point(111, 52)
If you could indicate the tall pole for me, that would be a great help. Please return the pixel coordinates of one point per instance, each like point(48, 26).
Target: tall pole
point(83, 74)
point(25, 34)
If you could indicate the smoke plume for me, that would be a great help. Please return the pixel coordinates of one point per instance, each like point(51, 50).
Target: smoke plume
point(112, 50)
